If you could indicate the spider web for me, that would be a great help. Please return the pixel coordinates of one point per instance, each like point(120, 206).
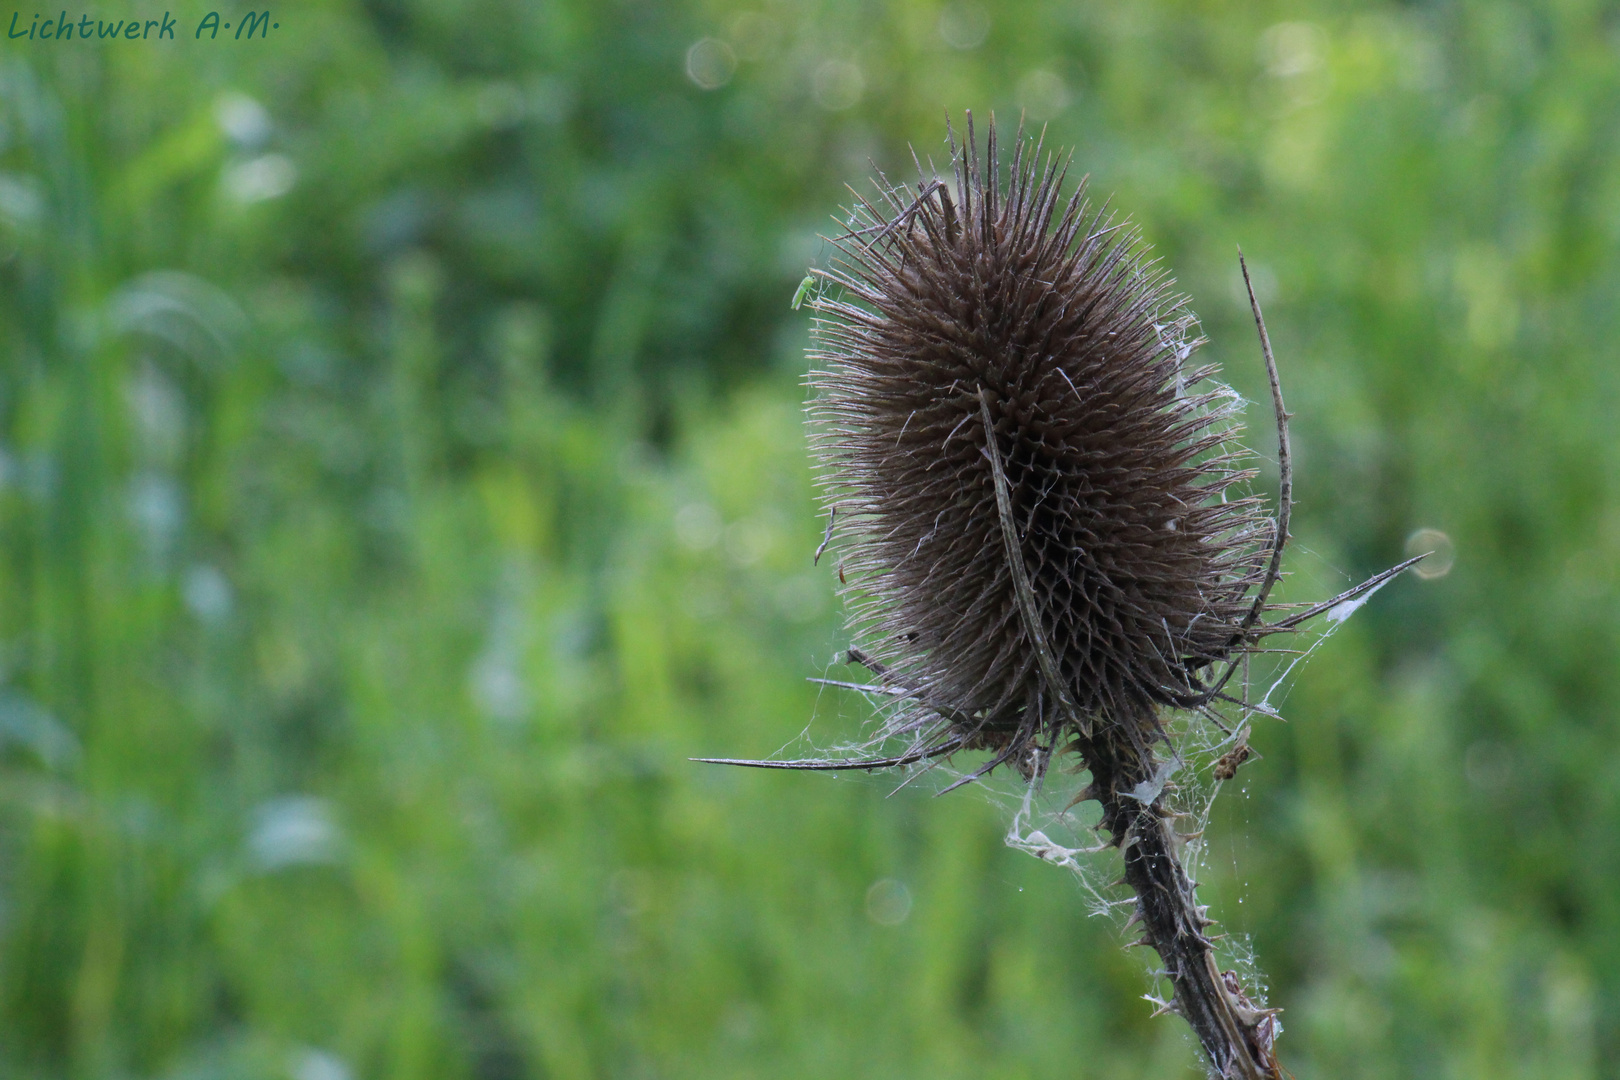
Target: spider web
point(1044, 822)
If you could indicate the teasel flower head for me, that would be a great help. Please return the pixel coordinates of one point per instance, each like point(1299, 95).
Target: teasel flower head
point(1046, 538)
point(1039, 500)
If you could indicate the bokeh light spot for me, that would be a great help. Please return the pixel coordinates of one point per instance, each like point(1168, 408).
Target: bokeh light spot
point(888, 902)
point(1043, 94)
point(1437, 565)
point(964, 26)
point(839, 85)
point(710, 63)
point(1291, 49)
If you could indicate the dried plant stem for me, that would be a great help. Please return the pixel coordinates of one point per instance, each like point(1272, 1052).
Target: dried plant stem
point(1235, 1036)
point(1285, 467)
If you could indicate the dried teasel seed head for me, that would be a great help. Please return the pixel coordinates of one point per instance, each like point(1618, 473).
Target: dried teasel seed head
point(1118, 530)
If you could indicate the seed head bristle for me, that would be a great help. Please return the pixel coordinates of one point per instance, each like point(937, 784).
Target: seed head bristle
point(981, 297)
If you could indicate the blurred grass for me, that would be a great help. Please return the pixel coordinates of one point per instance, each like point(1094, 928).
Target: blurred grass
point(403, 476)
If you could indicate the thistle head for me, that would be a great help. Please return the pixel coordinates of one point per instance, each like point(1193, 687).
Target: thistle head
point(1033, 486)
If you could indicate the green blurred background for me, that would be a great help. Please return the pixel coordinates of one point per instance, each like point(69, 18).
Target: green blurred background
point(403, 474)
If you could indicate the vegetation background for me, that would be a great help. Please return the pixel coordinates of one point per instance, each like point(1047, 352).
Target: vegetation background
point(403, 474)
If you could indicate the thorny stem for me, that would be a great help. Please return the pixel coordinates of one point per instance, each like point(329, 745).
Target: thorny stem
point(1236, 1036)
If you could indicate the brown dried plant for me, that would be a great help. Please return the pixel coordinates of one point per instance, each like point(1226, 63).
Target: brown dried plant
point(1047, 542)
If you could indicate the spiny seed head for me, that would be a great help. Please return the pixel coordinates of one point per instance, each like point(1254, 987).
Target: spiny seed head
point(982, 299)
